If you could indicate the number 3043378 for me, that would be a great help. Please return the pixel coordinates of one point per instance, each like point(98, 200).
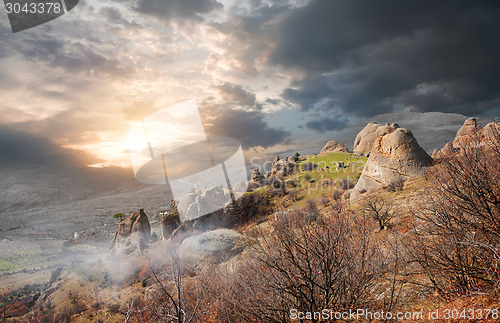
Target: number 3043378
point(39, 7)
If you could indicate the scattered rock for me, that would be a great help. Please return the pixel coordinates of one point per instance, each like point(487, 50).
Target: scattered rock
point(333, 147)
point(366, 137)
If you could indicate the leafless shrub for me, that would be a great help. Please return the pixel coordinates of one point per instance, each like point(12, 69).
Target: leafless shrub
point(323, 200)
point(179, 298)
point(346, 184)
point(304, 265)
point(456, 238)
point(337, 194)
point(311, 210)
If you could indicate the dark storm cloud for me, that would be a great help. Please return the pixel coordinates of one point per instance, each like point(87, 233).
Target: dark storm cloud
point(177, 9)
point(326, 124)
point(21, 148)
point(236, 93)
point(364, 57)
point(247, 126)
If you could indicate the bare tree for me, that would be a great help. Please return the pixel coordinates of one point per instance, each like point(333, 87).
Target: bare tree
point(177, 299)
point(380, 209)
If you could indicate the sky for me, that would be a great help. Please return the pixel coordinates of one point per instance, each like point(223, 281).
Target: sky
point(277, 75)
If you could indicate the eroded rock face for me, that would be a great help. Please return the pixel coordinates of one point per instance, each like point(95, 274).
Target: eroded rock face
point(334, 147)
point(133, 233)
point(469, 134)
point(463, 134)
point(366, 137)
point(395, 156)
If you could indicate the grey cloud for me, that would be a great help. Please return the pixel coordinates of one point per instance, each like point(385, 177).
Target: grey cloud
point(326, 124)
point(177, 9)
point(365, 57)
point(22, 148)
point(236, 93)
point(247, 126)
point(114, 15)
point(74, 57)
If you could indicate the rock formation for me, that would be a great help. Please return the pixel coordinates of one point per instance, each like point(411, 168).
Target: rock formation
point(469, 134)
point(202, 201)
point(256, 176)
point(463, 134)
point(133, 232)
point(395, 156)
point(366, 137)
point(281, 168)
point(334, 147)
point(170, 221)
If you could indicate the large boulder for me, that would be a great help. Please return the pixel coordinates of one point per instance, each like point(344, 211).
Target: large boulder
point(366, 137)
point(134, 232)
point(213, 246)
point(395, 157)
point(333, 147)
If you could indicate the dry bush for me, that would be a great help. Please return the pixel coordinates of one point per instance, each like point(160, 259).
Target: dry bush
point(336, 194)
point(396, 185)
point(456, 238)
point(177, 297)
point(307, 167)
point(346, 184)
point(302, 264)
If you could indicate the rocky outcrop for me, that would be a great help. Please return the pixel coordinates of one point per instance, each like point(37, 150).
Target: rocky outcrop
point(333, 147)
point(256, 176)
point(281, 168)
point(202, 201)
point(170, 221)
point(395, 157)
point(469, 134)
point(463, 134)
point(134, 232)
point(366, 137)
